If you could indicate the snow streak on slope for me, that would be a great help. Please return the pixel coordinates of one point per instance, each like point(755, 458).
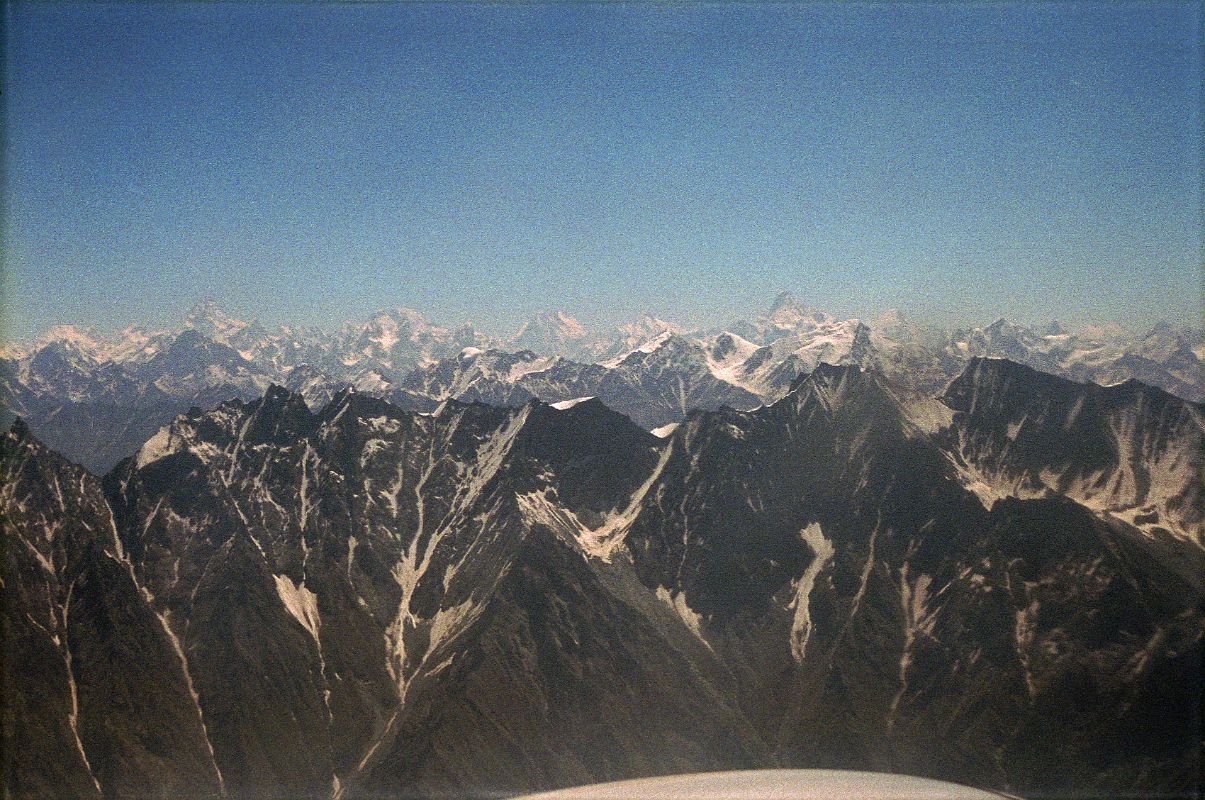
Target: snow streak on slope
point(541, 507)
point(178, 648)
point(677, 603)
point(920, 618)
point(603, 540)
point(801, 627)
point(73, 711)
point(564, 405)
point(300, 602)
point(416, 561)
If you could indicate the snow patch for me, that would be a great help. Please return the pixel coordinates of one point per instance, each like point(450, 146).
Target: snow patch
point(300, 602)
point(163, 444)
point(677, 603)
point(600, 542)
point(801, 626)
point(383, 424)
point(523, 368)
point(603, 541)
point(566, 404)
point(386, 340)
point(927, 414)
point(448, 622)
point(646, 347)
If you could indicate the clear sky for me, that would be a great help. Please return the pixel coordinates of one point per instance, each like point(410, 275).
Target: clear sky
point(310, 163)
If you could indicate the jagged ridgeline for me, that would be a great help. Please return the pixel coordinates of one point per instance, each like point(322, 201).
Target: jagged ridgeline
point(1001, 587)
point(95, 398)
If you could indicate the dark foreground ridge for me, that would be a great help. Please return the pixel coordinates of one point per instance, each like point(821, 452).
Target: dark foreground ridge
point(1000, 590)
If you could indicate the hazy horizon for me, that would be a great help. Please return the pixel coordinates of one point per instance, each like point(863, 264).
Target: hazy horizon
point(713, 322)
point(307, 164)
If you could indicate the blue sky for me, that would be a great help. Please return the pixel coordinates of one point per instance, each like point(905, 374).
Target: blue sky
point(310, 163)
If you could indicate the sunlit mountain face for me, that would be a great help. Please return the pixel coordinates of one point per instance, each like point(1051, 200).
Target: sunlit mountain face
point(96, 398)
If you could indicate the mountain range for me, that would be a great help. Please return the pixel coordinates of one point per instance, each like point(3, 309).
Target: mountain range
point(997, 584)
point(96, 398)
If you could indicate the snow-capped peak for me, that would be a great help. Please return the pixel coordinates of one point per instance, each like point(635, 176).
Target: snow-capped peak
point(135, 345)
point(403, 316)
point(628, 337)
point(397, 320)
point(83, 345)
point(789, 312)
point(550, 333)
point(888, 320)
point(551, 322)
point(570, 325)
point(654, 343)
point(78, 338)
point(207, 318)
point(785, 301)
point(647, 327)
point(647, 346)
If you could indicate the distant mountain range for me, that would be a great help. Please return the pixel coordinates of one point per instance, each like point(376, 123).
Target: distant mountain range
point(96, 398)
point(998, 585)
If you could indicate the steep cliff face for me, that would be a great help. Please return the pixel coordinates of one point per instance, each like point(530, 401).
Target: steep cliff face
point(365, 563)
point(881, 616)
point(1131, 450)
point(97, 701)
point(364, 601)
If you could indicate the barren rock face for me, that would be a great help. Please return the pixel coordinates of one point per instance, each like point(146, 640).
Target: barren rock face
point(363, 601)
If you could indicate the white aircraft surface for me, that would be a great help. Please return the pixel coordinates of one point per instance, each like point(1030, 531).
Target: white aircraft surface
point(773, 784)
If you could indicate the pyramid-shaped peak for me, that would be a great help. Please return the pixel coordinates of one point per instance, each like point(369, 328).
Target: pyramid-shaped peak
point(789, 309)
point(560, 320)
point(550, 333)
point(392, 318)
point(208, 318)
point(786, 301)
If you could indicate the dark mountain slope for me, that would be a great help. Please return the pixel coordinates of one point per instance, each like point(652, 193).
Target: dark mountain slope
point(1131, 450)
point(831, 555)
point(481, 600)
point(96, 699)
